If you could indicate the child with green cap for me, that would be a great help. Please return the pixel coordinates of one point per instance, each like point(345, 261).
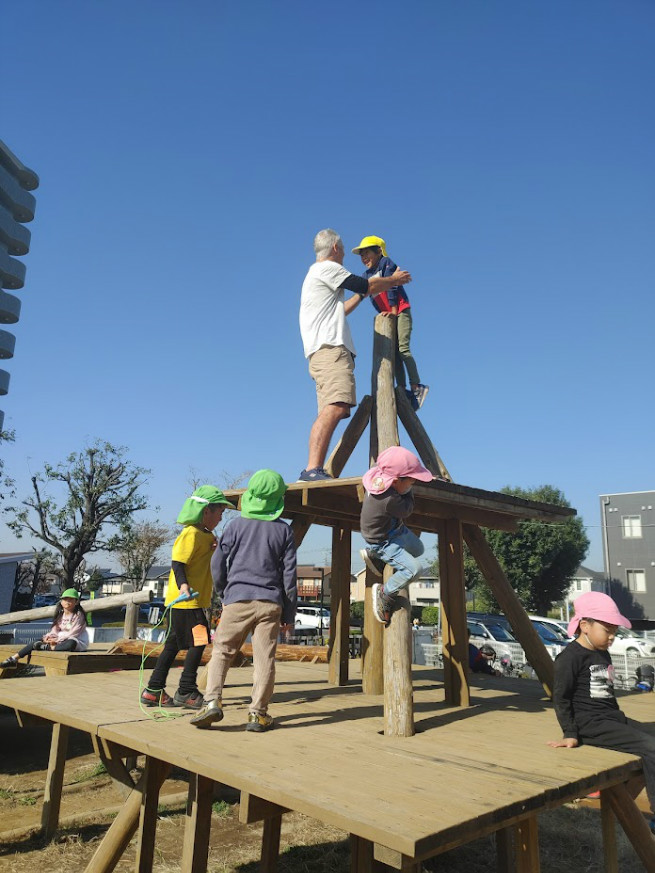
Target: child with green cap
point(190, 572)
point(254, 571)
point(67, 634)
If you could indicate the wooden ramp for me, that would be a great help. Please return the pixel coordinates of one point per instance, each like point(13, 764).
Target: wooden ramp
point(464, 774)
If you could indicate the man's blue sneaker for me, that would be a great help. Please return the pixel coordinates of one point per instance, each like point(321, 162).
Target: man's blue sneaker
point(412, 399)
point(316, 474)
point(420, 393)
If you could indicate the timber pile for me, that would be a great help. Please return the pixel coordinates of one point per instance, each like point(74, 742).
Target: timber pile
point(315, 654)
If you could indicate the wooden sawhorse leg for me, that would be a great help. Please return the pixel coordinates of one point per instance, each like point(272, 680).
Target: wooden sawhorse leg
point(125, 824)
point(527, 845)
point(252, 809)
point(54, 780)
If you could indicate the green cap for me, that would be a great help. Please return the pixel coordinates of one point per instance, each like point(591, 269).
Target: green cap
point(264, 497)
point(71, 592)
point(191, 512)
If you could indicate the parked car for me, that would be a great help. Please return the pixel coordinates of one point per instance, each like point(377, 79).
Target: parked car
point(552, 640)
point(312, 616)
point(500, 638)
point(44, 600)
point(627, 643)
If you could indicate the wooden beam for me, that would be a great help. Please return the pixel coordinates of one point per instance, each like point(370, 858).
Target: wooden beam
point(419, 436)
point(525, 633)
point(505, 851)
point(351, 436)
point(453, 614)
point(271, 844)
point(527, 846)
point(398, 693)
point(253, 808)
point(45, 612)
point(372, 642)
point(633, 823)
point(131, 621)
point(197, 825)
point(384, 355)
point(54, 780)
point(339, 649)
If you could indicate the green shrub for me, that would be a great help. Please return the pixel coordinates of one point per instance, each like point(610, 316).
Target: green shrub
point(430, 615)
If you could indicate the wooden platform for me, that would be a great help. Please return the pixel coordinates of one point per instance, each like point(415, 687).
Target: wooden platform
point(72, 663)
point(464, 774)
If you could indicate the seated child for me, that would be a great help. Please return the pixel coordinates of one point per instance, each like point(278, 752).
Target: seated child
point(481, 660)
point(373, 252)
point(388, 501)
point(583, 696)
point(190, 571)
point(67, 634)
point(254, 570)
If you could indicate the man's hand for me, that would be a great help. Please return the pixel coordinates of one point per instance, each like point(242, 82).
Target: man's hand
point(401, 277)
point(566, 743)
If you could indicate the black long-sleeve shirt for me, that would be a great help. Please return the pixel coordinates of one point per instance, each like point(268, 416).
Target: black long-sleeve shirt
point(583, 689)
point(381, 512)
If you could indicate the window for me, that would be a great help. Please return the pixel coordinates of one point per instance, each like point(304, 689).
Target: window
point(636, 580)
point(631, 526)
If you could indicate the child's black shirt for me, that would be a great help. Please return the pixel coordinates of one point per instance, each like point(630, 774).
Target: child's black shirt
point(584, 689)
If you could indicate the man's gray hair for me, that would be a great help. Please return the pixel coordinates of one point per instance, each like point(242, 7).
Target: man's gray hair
point(324, 242)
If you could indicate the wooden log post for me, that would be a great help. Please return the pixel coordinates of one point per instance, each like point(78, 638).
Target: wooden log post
point(419, 436)
point(197, 826)
point(633, 823)
point(338, 650)
point(453, 614)
point(525, 633)
point(97, 605)
point(131, 621)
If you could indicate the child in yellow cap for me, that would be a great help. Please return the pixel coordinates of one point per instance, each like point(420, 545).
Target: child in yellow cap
point(190, 572)
point(394, 303)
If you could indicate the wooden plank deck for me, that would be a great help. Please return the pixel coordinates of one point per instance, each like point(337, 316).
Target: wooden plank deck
point(97, 660)
point(465, 773)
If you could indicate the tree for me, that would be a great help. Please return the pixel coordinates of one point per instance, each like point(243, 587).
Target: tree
point(138, 549)
point(31, 578)
point(539, 560)
point(430, 615)
point(101, 491)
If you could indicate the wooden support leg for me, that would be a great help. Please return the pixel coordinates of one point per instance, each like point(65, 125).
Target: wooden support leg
point(609, 835)
point(453, 614)
point(124, 826)
point(198, 824)
point(505, 851)
point(339, 607)
point(351, 436)
point(527, 846)
point(372, 643)
point(633, 823)
point(253, 808)
point(145, 849)
point(419, 436)
point(271, 844)
point(534, 649)
point(54, 780)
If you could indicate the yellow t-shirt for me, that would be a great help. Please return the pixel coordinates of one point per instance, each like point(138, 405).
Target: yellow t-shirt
point(194, 548)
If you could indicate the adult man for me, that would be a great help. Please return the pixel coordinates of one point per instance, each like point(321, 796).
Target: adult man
point(327, 341)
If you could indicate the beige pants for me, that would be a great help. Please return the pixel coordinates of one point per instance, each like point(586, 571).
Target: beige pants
point(262, 619)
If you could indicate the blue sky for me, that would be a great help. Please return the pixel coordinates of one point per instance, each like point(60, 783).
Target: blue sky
point(188, 153)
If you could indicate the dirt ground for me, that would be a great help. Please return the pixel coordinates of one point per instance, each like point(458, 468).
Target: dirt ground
point(569, 837)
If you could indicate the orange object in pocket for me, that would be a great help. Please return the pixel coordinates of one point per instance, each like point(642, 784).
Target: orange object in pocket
point(200, 636)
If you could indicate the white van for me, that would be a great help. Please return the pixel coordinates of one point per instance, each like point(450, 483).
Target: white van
point(312, 616)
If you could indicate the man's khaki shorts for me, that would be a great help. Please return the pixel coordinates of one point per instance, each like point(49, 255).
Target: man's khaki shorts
point(333, 370)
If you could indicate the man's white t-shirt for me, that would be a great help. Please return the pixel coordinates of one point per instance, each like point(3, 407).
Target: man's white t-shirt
point(322, 316)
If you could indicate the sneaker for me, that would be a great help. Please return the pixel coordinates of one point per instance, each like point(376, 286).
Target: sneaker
point(156, 698)
point(420, 392)
point(192, 700)
point(593, 795)
point(258, 722)
point(316, 474)
point(382, 605)
point(374, 564)
point(412, 399)
point(212, 711)
point(9, 663)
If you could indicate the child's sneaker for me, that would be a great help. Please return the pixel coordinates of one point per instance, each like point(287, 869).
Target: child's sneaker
point(212, 711)
point(9, 663)
point(421, 392)
point(374, 564)
point(258, 722)
point(412, 399)
point(192, 700)
point(383, 604)
point(156, 698)
point(316, 474)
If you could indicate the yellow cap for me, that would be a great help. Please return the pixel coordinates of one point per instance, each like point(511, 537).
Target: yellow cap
point(369, 241)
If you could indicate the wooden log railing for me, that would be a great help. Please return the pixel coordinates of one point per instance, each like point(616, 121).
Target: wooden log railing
point(45, 612)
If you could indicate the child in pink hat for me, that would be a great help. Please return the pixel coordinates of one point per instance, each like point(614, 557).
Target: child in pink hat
point(584, 700)
point(388, 501)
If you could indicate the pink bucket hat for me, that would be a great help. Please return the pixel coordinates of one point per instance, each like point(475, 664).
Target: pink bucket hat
point(593, 604)
point(394, 463)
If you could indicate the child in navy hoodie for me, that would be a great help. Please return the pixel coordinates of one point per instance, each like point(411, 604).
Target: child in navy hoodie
point(254, 572)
